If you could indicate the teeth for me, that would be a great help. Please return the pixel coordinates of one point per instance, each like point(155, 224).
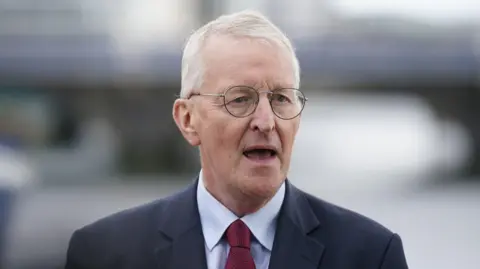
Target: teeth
point(260, 153)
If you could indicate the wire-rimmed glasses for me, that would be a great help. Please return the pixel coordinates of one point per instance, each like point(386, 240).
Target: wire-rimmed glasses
point(242, 101)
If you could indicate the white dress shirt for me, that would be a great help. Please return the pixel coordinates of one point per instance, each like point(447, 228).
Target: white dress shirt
point(216, 218)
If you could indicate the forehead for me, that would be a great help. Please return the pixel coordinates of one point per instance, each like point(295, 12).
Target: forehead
point(245, 61)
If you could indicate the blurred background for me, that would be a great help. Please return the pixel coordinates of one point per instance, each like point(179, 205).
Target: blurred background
point(391, 128)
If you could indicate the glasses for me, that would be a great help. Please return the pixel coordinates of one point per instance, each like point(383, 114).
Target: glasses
point(242, 101)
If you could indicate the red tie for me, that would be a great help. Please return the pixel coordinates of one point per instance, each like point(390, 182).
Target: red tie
point(238, 237)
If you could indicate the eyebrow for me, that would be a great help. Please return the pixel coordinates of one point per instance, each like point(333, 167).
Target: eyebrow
point(255, 84)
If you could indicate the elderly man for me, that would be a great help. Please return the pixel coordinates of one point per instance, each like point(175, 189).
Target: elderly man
point(240, 105)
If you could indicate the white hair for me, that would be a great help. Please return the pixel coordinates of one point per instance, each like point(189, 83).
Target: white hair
point(251, 24)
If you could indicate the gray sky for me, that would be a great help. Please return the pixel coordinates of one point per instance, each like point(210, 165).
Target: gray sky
point(435, 11)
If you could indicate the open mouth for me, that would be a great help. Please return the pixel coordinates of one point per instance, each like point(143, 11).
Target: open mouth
point(260, 154)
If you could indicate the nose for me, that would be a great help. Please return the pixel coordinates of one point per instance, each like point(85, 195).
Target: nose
point(263, 117)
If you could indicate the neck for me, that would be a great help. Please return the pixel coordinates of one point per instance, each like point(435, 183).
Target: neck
point(241, 206)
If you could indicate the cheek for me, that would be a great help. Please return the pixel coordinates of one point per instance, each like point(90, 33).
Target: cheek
point(213, 134)
point(231, 134)
point(222, 133)
point(288, 131)
point(210, 127)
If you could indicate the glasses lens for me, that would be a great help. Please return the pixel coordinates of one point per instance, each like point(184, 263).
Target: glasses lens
point(240, 101)
point(287, 103)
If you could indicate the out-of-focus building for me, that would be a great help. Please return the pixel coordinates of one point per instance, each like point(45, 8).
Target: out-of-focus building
point(118, 63)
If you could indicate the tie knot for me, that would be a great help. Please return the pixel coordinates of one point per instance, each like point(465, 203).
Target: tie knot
point(238, 234)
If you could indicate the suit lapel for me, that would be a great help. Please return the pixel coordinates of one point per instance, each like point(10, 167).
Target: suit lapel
point(183, 245)
point(186, 251)
point(295, 245)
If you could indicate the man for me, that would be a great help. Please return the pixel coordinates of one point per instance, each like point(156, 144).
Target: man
point(240, 105)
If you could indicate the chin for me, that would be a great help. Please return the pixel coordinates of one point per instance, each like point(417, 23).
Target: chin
point(262, 185)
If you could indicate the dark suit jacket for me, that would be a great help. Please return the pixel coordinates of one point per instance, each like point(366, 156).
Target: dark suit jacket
point(167, 233)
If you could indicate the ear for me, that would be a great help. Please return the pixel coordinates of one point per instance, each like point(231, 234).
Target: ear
point(182, 115)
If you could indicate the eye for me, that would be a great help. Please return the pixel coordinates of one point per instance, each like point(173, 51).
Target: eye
point(280, 98)
point(241, 99)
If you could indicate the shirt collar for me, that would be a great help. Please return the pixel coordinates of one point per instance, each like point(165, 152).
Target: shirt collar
point(216, 218)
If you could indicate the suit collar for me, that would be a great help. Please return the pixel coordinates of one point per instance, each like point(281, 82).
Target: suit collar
point(298, 210)
point(179, 224)
point(180, 213)
point(297, 243)
point(183, 212)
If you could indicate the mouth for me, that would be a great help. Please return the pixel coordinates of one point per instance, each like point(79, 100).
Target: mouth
point(260, 153)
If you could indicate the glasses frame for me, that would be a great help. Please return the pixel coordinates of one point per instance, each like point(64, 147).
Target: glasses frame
point(269, 92)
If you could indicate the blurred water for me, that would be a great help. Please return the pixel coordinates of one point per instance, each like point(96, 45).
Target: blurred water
point(381, 135)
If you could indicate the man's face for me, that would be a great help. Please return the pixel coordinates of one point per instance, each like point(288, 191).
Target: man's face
point(224, 140)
